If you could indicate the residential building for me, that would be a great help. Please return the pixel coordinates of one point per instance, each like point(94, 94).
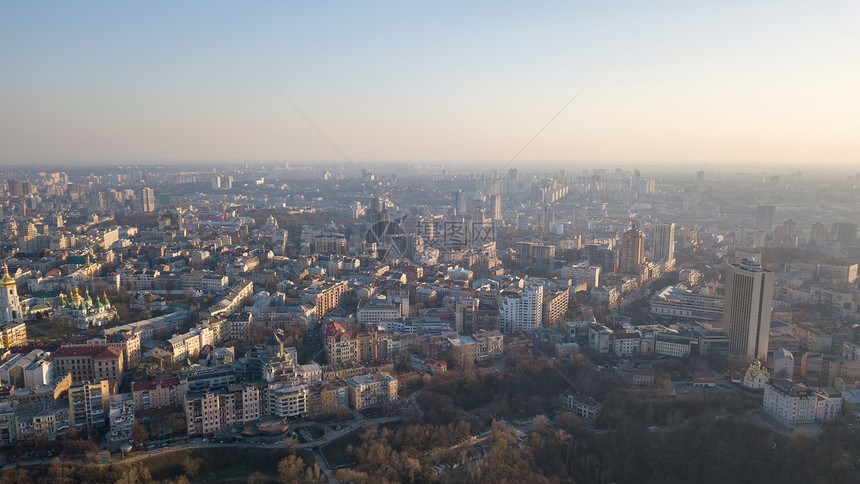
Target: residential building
point(285, 399)
point(341, 346)
point(89, 363)
point(161, 392)
point(325, 296)
point(625, 344)
point(121, 417)
point(233, 300)
point(89, 404)
point(783, 364)
point(789, 401)
point(381, 308)
point(47, 419)
point(13, 333)
point(521, 310)
point(828, 403)
point(631, 253)
point(539, 255)
point(600, 338)
point(8, 426)
point(371, 389)
point(215, 410)
point(554, 306)
point(147, 199)
point(582, 272)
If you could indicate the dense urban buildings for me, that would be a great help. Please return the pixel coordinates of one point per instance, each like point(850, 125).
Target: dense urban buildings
point(140, 305)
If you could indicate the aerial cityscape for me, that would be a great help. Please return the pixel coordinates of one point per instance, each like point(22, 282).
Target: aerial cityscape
point(502, 243)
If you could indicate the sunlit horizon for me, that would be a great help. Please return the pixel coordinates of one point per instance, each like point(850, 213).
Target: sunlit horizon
point(672, 83)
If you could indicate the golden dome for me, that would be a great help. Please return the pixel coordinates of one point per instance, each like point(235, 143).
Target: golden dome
point(7, 280)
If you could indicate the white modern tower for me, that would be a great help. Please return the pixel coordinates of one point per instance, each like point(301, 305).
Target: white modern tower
point(664, 242)
point(521, 310)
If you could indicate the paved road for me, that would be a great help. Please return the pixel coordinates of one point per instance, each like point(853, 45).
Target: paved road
point(312, 447)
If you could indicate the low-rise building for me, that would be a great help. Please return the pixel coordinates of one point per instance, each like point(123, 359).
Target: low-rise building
point(157, 393)
point(286, 399)
point(625, 344)
point(46, 419)
point(210, 411)
point(789, 401)
point(89, 363)
point(599, 338)
point(643, 376)
point(121, 417)
point(828, 403)
point(669, 344)
point(582, 405)
point(371, 389)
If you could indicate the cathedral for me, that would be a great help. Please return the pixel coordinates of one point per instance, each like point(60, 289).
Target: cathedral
point(10, 305)
point(86, 311)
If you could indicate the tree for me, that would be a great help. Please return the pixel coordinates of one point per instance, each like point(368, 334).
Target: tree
point(136, 474)
point(191, 466)
point(15, 475)
point(290, 468)
point(257, 478)
point(139, 434)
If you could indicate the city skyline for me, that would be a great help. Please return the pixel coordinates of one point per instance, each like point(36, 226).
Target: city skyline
point(667, 83)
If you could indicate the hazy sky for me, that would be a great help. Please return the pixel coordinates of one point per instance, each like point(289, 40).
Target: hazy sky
point(726, 81)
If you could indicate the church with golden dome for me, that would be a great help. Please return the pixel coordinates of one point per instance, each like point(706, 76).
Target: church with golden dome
point(88, 312)
point(10, 304)
point(756, 376)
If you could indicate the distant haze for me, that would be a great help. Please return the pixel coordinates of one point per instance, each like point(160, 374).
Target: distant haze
point(660, 82)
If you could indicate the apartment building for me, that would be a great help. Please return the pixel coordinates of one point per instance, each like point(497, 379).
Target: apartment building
point(161, 392)
point(371, 389)
point(89, 363)
point(89, 404)
point(211, 411)
point(325, 295)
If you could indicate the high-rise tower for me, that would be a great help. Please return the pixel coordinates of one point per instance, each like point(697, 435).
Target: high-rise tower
point(147, 199)
point(764, 217)
point(746, 311)
point(632, 251)
point(664, 242)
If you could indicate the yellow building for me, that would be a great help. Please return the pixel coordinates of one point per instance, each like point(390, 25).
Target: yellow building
point(13, 334)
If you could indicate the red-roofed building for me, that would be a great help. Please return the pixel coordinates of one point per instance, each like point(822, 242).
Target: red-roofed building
point(340, 345)
point(89, 363)
point(161, 392)
point(332, 328)
point(436, 366)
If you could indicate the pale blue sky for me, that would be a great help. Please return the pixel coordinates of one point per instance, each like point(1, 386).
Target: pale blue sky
point(729, 81)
